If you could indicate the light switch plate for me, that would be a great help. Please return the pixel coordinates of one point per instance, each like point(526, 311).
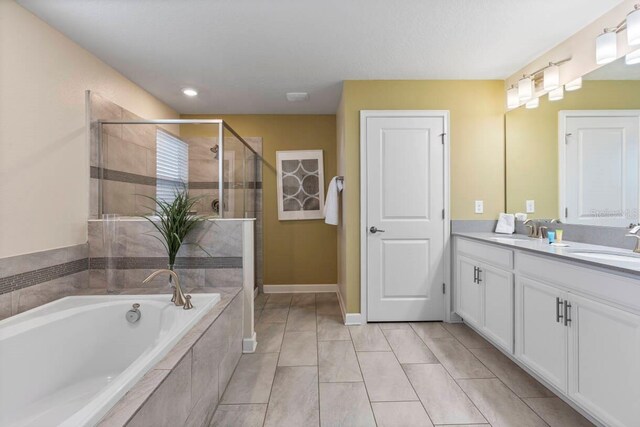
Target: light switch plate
point(479, 206)
point(531, 206)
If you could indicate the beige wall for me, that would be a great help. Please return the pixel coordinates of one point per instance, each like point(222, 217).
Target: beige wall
point(532, 142)
point(44, 157)
point(295, 252)
point(477, 152)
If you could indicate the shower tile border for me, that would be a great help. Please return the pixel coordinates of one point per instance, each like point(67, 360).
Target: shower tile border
point(135, 263)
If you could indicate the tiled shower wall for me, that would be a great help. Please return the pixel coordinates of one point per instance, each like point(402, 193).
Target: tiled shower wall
point(243, 187)
point(129, 171)
point(211, 257)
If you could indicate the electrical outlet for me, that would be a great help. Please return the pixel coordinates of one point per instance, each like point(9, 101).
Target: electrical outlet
point(531, 206)
point(479, 206)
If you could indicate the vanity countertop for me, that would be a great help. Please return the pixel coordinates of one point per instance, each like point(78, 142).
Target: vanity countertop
point(593, 255)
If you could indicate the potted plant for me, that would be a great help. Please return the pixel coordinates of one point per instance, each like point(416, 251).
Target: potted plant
point(174, 220)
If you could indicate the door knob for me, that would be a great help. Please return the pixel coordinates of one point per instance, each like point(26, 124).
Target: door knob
point(375, 230)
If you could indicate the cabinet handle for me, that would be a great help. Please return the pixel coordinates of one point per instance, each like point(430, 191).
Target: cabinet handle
point(567, 313)
point(475, 274)
point(558, 305)
point(479, 279)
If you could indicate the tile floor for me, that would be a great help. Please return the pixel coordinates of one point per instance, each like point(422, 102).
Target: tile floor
point(309, 370)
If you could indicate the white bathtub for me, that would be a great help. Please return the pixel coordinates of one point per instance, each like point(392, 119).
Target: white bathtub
point(68, 362)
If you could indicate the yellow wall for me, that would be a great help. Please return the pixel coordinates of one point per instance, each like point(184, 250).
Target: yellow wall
point(532, 142)
point(295, 252)
point(44, 157)
point(477, 152)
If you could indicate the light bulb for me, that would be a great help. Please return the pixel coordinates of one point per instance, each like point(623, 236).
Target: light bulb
point(573, 85)
point(533, 103)
point(632, 58)
point(525, 88)
point(633, 27)
point(512, 98)
point(556, 94)
point(606, 47)
point(551, 77)
point(190, 92)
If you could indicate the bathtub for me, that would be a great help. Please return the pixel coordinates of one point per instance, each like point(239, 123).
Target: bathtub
point(68, 362)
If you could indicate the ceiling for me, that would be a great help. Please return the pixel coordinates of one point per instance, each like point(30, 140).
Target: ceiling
point(244, 55)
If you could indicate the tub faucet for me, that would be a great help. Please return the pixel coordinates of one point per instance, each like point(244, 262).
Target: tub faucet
point(179, 298)
point(634, 233)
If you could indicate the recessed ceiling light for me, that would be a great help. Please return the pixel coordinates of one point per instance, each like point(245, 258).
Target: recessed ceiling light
point(297, 96)
point(191, 92)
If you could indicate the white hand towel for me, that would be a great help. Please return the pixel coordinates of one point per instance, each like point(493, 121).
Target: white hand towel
point(332, 204)
point(506, 224)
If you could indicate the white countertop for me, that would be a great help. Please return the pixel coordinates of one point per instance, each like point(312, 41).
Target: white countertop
point(542, 246)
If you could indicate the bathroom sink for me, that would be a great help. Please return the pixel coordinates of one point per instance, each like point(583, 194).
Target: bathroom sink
point(608, 256)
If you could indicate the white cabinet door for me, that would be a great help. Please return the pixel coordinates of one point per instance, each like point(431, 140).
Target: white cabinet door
point(542, 339)
point(604, 360)
point(469, 291)
point(498, 305)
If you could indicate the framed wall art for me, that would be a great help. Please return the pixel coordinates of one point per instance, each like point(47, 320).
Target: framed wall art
point(300, 176)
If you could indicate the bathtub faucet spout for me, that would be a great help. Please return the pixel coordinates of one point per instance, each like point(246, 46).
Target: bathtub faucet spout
point(179, 298)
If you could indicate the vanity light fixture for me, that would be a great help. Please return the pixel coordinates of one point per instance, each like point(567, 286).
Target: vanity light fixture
point(551, 78)
point(633, 26)
point(556, 94)
point(534, 103)
point(190, 92)
point(513, 101)
point(525, 88)
point(606, 47)
point(573, 85)
point(632, 58)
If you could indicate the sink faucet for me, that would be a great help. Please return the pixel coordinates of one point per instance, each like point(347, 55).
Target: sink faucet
point(179, 298)
point(536, 230)
point(634, 233)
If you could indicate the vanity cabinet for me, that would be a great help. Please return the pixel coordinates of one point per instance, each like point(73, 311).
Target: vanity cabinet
point(574, 326)
point(485, 292)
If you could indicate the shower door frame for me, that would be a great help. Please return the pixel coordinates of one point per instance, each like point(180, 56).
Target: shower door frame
point(222, 125)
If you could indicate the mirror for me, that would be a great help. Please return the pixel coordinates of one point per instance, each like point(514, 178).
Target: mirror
point(578, 158)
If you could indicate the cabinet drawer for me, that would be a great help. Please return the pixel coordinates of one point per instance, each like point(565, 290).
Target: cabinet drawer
point(486, 252)
point(619, 290)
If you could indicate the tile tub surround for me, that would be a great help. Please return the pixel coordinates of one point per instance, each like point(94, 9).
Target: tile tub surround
point(30, 280)
point(184, 388)
point(139, 254)
point(397, 374)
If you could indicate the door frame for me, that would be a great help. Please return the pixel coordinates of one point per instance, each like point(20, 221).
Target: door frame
point(563, 115)
point(364, 115)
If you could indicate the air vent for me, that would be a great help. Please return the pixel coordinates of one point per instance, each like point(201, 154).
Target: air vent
point(297, 96)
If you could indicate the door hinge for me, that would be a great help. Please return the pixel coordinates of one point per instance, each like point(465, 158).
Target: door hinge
point(566, 212)
point(444, 286)
point(442, 135)
point(442, 213)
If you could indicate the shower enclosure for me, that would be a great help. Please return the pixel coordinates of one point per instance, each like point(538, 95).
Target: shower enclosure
point(138, 159)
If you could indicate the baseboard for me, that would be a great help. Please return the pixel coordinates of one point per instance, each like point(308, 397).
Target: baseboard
point(249, 344)
point(298, 289)
point(351, 319)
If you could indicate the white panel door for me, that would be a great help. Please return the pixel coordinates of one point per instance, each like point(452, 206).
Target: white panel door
point(542, 341)
point(405, 202)
point(604, 355)
point(602, 181)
